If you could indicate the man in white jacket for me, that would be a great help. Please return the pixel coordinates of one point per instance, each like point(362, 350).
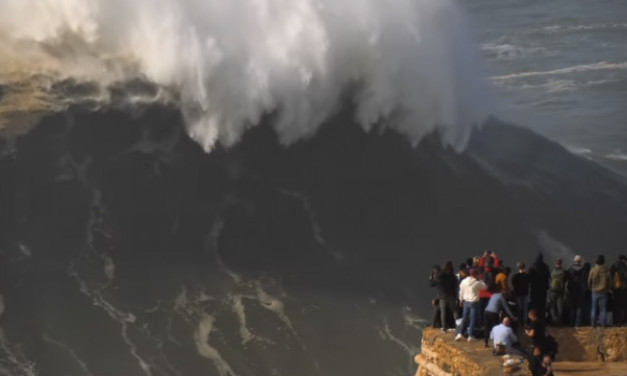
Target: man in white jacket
point(469, 299)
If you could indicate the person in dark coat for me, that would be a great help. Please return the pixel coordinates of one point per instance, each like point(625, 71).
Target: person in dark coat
point(618, 275)
point(521, 281)
point(577, 285)
point(447, 285)
point(587, 295)
point(539, 275)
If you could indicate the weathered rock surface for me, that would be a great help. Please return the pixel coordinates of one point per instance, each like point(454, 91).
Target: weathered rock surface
point(590, 368)
point(442, 356)
point(582, 352)
point(591, 344)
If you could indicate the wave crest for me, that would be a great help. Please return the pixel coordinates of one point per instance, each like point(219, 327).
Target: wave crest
point(407, 65)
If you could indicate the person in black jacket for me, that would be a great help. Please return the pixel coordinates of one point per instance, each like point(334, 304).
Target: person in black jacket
point(520, 282)
point(540, 276)
point(536, 330)
point(447, 285)
point(618, 276)
point(576, 289)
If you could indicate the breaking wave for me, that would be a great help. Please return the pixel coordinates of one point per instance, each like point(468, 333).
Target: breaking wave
point(404, 64)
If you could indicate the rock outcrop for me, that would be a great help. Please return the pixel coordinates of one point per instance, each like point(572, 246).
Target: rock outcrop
point(442, 356)
point(591, 344)
point(588, 350)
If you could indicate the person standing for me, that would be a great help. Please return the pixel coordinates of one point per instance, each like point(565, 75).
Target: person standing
point(469, 298)
point(619, 289)
point(462, 272)
point(587, 295)
point(520, 282)
point(539, 275)
point(599, 284)
point(557, 292)
point(488, 266)
point(447, 285)
point(501, 280)
point(576, 287)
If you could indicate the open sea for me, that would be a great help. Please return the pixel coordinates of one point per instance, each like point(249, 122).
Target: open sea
point(560, 68)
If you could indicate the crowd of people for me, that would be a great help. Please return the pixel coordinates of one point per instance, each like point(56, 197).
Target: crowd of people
point(483, 299)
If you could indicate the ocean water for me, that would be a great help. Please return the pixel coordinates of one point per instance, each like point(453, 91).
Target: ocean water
point(560, 68)
point(261, 187)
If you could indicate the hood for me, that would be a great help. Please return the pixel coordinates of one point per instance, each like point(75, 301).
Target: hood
point(600, 267)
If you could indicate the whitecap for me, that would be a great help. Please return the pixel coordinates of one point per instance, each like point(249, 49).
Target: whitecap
point(509, 51)
point(602, 65)
point(616, 156)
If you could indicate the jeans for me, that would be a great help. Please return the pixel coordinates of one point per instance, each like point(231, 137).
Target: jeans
point(469, 318)
point(599, 300)
point(451, 303)
point(523, 305)
point(556, 300)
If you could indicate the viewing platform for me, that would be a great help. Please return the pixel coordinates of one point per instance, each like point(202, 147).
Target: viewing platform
point(582, 352)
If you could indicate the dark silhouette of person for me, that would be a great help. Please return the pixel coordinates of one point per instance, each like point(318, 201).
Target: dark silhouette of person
point(539, 275)
point(447, 286)
point(618, 275)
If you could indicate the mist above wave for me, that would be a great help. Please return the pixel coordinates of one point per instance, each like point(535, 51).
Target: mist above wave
point(405, 64)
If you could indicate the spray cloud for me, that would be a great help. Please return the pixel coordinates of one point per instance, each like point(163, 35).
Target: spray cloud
point(409, 64)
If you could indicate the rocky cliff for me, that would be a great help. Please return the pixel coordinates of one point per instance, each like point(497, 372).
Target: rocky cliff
point(582, 351)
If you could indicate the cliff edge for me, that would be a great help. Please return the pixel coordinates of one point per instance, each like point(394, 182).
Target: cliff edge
point(582, 352)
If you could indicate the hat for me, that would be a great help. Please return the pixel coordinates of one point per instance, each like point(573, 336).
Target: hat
point(578, 259)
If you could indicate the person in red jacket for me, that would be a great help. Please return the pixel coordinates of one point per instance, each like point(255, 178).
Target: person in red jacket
point(489, 261)
point(488, 264)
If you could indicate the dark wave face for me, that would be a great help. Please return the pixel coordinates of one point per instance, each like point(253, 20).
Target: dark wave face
point(128, 250)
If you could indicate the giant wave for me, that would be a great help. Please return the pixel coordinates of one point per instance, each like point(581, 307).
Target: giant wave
point(409, 65)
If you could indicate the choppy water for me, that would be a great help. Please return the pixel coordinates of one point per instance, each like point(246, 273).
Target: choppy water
point(560, 67)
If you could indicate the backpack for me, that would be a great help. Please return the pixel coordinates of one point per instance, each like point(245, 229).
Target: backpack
point(557, 280)
point(617, 282)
